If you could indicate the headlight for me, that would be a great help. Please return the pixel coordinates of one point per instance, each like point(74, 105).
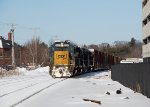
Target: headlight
point(66, 67)
point(54, 67)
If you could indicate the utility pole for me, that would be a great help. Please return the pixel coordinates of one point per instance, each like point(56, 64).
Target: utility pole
point(35, 43)
point(20, 56)
point(13, 47)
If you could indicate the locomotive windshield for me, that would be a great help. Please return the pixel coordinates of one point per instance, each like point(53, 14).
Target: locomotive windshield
point(61, 49)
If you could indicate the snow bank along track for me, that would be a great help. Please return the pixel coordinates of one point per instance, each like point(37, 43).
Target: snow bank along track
point(21, 90)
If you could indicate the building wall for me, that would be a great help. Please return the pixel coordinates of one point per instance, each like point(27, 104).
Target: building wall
point(5, 56)
point(146, 29)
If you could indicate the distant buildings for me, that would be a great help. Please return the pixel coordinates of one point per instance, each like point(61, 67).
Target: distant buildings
point(5, 50)
point(146, 30)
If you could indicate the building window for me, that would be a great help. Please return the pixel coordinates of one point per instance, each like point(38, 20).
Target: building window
point(145, 41)
point(144, 22)
point(148, 17)
point(4, 54)
point(148, 39)
point(144, 2)
point(1, 54)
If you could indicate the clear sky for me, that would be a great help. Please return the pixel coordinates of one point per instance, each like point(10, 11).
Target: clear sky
point(81, 21)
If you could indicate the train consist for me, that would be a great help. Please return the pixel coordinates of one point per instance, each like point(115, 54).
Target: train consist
point(68, 59)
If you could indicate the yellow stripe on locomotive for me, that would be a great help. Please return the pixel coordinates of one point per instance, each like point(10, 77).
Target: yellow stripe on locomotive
point(61, 58)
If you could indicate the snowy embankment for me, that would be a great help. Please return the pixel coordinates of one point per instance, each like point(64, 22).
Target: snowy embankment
point(16, 89)
point(37, 89)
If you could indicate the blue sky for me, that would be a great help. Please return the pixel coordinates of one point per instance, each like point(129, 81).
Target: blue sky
point(81, 21)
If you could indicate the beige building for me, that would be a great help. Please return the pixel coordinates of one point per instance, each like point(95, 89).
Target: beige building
point(146, 30)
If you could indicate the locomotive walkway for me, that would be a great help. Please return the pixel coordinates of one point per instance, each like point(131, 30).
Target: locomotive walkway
point(38, 89)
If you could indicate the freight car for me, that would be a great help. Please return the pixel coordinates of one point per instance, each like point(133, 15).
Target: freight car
point(68, 59)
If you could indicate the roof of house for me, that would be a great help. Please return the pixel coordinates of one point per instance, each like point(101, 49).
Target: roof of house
point(5, 43)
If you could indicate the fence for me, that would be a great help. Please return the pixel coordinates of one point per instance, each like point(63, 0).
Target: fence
point(135, 76)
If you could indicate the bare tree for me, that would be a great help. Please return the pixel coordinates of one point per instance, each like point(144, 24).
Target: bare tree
point(104, 47)
point(35, 52)
point(93, 46)
point(42, 53)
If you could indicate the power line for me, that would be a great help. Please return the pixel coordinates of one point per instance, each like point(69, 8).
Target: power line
point(18, 25)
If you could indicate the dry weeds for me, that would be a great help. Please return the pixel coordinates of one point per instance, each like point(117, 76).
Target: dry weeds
point(5, 73)
point(138, 88)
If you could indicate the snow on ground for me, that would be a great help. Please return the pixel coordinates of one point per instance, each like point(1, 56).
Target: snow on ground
point(18, 88)
point(37, 89)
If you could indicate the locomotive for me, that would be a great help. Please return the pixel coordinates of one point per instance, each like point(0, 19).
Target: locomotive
point(68, 59)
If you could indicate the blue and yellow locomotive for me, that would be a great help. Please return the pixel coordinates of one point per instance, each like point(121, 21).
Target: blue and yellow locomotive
point(68, 59)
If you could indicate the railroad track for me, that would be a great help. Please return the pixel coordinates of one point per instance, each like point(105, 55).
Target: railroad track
point(23, 92)
point(21, 84)
point(19, 89)
point(26, 98)
point(14, 80)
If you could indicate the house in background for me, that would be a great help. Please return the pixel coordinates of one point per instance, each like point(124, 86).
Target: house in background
point(5, 50)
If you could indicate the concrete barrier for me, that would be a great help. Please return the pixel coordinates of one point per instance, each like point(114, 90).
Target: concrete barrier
point(133, 75)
